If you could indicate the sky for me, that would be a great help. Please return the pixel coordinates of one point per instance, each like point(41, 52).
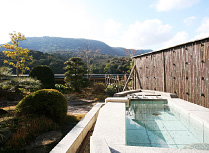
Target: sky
point(133, 24)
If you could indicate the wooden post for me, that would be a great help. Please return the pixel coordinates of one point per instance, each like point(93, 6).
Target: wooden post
point(135, 79)
point(129, 78)
point(125, 78)
point(118, 82)
point(137, 75)
point(106, 79)
point(164, 73)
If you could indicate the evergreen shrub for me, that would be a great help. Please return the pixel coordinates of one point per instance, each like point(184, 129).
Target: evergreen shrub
point(85, 82)
point(99, 88)
point(75, 73)
point(111, 90)
point(62, 88)
point(48, 102)
point(21, 85)
point(45, 74)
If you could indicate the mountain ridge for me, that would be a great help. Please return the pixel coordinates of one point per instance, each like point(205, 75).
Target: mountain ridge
point(49, 44)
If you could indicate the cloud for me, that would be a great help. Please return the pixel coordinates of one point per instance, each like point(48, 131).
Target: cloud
point(111, 33)
point(203, 29)
point(62, 18)
point(178, 38)
point(147, 34)
point(111, 28)
point(167, 5)
point(188, 21)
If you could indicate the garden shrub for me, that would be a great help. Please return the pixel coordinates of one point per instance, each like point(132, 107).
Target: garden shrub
point(45, 74)
point(75, 118)
point(62, 88)
point(29, 128)
point(5, 72)
point(100, 97)
point(21, 85)
point(85, 82)
point(48, 102)
point(111, 90)
point(99, 88)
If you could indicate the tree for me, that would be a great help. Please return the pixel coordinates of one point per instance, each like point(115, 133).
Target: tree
point(117, 66)
point(19, 55)
point(111, 69)
point(75, 72)
point(86, 52)
point(131, 52)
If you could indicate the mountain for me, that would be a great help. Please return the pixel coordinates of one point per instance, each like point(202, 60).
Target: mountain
point(137, 52)
point(49, 44)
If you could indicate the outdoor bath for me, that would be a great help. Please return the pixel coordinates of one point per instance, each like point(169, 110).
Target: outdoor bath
point(151, 121)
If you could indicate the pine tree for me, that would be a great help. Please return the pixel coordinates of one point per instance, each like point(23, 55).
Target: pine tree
point(75, 72)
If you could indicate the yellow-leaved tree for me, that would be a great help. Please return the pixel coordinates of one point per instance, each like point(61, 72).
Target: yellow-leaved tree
point(18, 55)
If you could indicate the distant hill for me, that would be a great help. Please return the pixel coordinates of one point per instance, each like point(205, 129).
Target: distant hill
point(137, 52)
point(48, 44)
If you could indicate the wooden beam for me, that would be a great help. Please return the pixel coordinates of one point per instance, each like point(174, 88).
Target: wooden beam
point(129, 77)
point(137, 75)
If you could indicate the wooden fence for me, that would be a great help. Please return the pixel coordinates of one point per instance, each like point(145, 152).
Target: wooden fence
point(182, 69)
point(115, 80)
